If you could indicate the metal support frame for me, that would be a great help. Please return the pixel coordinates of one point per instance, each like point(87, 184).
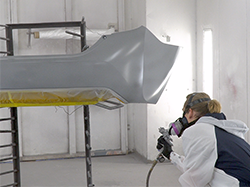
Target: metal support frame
point(87, 146)
point(86, 118)
point(14, 123)
point(15, 147)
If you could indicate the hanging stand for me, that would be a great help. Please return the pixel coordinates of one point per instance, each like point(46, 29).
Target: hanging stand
point(87, 146)
point(86, 118)
point(15, 158)
point(14, 119)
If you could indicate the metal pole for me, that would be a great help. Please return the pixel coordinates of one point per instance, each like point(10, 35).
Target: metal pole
point(14, 121)
point(86, 115)
point(9, 42)
point(87, 146)
point(83, 35)
point(15, 148)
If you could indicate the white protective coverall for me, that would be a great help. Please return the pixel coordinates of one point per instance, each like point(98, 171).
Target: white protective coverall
point(200, 150)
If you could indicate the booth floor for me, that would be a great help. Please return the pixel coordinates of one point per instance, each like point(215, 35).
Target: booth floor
point(108, 171)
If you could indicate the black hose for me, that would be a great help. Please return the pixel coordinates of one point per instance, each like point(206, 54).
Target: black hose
point(159, 158)
point(150, 171)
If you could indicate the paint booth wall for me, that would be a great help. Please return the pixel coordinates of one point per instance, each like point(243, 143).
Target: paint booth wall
point(229, 21)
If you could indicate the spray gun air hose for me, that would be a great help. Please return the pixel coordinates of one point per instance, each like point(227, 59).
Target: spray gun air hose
point(150, 171)
point(159, 158)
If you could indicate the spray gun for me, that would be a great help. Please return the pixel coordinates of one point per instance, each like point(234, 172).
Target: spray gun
point(160, 158)
point(166, 135)
point(175, 128)
point(169, 140)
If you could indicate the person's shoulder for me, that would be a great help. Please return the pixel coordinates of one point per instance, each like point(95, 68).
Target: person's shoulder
point(199, 129)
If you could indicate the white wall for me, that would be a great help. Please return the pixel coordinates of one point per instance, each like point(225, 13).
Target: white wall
point(137, 128)
point(134, 13)
point(98, 14)
point(229, 21)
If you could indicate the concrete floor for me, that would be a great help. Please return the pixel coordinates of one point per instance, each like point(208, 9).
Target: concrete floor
point(108, 171)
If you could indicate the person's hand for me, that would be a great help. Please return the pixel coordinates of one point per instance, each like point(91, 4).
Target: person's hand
point(165, 146)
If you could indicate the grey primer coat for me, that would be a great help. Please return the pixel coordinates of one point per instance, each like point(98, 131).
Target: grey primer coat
point(132, 65)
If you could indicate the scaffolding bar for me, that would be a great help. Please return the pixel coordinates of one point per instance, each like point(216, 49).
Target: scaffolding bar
point(7, 131)
point(7, 172)
point(6, 119)
point(87, 146)
point(8, 145)
point(7, 185)
point(44, 25)
point(15, 149)
point(9, 43)
point(4, 52)
point(2, 38)
point(86, 116)
point(9, 158)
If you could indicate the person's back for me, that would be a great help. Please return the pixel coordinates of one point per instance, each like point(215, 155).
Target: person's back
point(233, 156)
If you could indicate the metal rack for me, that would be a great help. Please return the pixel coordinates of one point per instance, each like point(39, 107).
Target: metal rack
point(15, 148)
point(14, 111)
point(15, 158)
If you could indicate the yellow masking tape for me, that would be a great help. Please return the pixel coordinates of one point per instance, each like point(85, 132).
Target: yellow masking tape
point(53, 97)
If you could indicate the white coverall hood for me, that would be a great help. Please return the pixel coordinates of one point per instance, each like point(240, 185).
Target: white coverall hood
point(235, 127)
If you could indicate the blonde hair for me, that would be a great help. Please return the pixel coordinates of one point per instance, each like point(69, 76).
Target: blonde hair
point(204, 105)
